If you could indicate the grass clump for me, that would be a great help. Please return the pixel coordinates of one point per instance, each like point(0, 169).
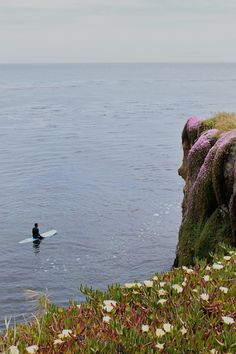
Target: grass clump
point(186, 310)
point(221, 121)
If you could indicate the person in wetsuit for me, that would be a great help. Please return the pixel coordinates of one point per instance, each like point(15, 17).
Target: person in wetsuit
point(35, 232)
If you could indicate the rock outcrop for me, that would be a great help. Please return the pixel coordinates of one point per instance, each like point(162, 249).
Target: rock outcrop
point(209, 171)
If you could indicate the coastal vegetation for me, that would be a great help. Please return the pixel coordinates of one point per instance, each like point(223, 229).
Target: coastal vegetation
point(185, 310)
point(189, 309)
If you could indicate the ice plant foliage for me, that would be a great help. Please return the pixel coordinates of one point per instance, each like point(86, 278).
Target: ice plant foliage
point(199, 318)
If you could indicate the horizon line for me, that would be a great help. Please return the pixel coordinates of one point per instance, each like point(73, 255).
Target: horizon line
point(118, 62)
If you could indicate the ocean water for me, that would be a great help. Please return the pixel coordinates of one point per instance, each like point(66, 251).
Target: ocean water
point(92, 151)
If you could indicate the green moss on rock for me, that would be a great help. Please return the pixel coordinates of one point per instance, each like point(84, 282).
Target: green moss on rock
point(216, 230)
point(209, 170)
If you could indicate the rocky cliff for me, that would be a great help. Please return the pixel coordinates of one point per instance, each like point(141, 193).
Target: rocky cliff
point(209, 171)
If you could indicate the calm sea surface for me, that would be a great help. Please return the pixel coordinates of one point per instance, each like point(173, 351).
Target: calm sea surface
point(93, 151)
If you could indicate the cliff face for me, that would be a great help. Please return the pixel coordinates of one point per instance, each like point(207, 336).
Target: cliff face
point(209, 171)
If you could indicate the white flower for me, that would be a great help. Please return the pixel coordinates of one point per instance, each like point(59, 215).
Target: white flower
point(160, 345)
point(161, 301)
point(206, 278)
point(162, 292)
point(135, 292)
point(14, 350)
point(183, 330)
point(217, 266)
point(79, 306)
point(227, 258)
point(58, 341)
point(106, 319)
point(108, 308)
point(228, 319)
point(178, 288)
point(160, 332)
point(184, 283)
point(208, 268)
point(32, 349)
point(187, 270)
point(148, 283)
point(195, 290)
point(139, 285)
point(162, 284)
point(155, 277)
point(109, 305)
point(65, 333)
point(129, 285)
point(145, 328)
point(167, 327)
point(223, 289)
point(213, 351)
point(204, 297)
point(132, 285)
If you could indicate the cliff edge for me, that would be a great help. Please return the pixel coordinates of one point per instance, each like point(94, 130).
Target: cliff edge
point(209, 171)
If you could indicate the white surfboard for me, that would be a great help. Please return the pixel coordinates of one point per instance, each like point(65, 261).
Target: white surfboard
point(45, 235)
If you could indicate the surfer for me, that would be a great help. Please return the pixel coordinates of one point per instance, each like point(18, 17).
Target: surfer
point(35, 232)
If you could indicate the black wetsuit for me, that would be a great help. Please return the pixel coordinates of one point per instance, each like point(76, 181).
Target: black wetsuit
point(36, 234)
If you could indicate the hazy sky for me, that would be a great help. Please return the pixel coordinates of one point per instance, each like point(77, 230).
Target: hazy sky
point(117, 30)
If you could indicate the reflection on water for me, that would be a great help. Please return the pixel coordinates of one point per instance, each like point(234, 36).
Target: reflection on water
point(36, 246)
